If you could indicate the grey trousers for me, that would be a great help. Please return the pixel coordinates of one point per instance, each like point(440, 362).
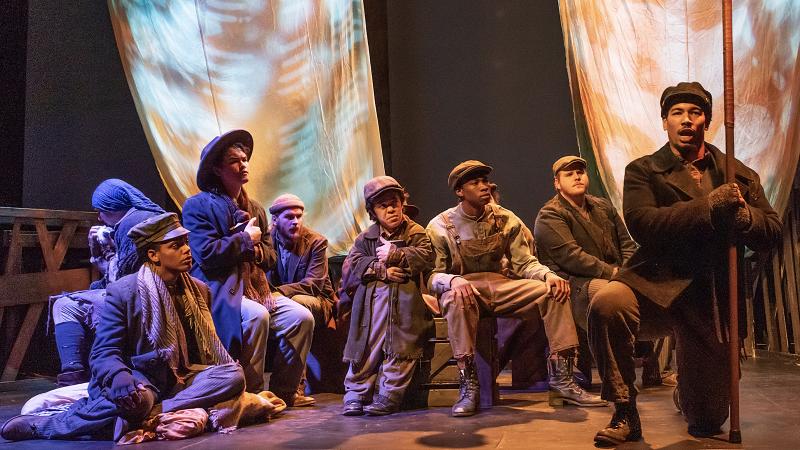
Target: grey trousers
point(292, 324)
point(618, 316)
point(320, 308)
point(96, 416)
point(379, 373)
point(506, 297)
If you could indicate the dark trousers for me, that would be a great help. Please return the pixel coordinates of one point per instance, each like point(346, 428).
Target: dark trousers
point(618, 317)
point(96, 416)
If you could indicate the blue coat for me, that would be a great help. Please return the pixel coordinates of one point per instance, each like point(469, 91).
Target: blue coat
point(121, 344)
point(217, 251)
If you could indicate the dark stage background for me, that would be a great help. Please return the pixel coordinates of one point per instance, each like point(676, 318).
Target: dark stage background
point(453, 80)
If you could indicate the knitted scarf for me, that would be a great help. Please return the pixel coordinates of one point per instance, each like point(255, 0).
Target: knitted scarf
point(162, 326)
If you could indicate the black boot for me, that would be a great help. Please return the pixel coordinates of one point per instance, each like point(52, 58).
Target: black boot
point(469, 395)
point(21, 428)
point(71, 344)
point(624, 426)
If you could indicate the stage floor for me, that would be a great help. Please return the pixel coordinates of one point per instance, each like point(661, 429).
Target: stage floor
point(770, 420)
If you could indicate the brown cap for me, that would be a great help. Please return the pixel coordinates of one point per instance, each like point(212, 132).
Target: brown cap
point(285, 201)
point(565, 161)
point(463, 169)
point(160, 228)
point(688, 92)
point(379, 185)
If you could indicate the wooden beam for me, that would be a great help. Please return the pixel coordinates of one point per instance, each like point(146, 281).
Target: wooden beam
point(20, 347)
point(14, 258)
point(37, 287)
point(29, 239)
point(766, 294)
point(49, 214)
point(780, 315)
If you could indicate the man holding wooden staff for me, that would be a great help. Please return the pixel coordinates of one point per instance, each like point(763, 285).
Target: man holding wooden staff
point(679, 209)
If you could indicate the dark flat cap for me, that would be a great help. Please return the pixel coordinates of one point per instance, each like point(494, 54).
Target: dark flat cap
point(463, 169)
point(160, 228)
point(687, 92)
point(566, 161)
point(379, 185)
point(205, 172)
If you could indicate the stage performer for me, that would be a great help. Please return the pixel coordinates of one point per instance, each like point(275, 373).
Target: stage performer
point(470, 241)
point(119, 207)
point(582, 238)
point(232, 255)
point(155, 343)
point(684, 216)
point(389, 323)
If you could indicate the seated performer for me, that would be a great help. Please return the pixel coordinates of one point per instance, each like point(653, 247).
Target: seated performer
point(232, 255)
point(389, 319)
point(119, 206)
point(155, 344)
point(301, 271)
point(582, 238)
point(683, 215)
point(470, 241)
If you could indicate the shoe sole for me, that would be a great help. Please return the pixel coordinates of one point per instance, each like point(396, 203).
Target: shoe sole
point(353, 413)
point(607, 441)
point(577, 403)
point(464, 414)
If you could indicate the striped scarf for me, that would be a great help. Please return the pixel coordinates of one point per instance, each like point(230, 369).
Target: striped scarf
point(162, 326)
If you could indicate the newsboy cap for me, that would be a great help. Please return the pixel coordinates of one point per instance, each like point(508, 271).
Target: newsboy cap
point(379, 185)
point(206, 179)
point(687, 92)
point(566, 161)
point(160, 228)
point(463, 169)
point(285, 201)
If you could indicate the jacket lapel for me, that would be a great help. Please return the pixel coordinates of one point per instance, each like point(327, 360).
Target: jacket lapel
point(294, 257)
point(675, 174)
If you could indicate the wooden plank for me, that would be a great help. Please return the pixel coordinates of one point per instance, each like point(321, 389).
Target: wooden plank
point(6, 214)
point(769, 320)
point(20, 347)
point(62, 244)
point(780, 315)
point(749, 341)
point(46, 245)
point(30, 239)
point(790, 242)
point(31, 288)
point(14, 258)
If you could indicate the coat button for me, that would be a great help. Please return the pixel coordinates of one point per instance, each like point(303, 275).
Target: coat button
point(232, 291)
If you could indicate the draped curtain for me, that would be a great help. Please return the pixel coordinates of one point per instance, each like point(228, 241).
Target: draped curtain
point(295, 73)
point(621, 54)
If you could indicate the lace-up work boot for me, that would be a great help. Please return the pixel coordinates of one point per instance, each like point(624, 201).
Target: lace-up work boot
point(563, 387)
point(381, 406)
point(469, 391)
point(624, 426)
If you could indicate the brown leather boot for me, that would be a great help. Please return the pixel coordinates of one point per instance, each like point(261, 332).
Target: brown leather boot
point(624, 426)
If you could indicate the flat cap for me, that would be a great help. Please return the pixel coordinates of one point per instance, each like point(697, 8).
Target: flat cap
point(565, 161)
point(686, 92)
point(379, 185)
point(285, 201)
point(463, 169)
point(160, 228)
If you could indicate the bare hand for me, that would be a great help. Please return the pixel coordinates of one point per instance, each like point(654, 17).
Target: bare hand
point(384, 250)
point(396, 275)
point(464, 290)
point(557, 287)
point(253, 230)
point(270, 302)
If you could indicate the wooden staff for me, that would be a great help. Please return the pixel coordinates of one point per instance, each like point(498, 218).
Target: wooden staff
point(735, 434)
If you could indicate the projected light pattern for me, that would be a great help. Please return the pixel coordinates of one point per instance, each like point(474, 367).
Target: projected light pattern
point(621, 54)
point(295, 73)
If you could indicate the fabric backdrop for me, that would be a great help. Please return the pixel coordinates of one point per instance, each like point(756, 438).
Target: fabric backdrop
point(621, 54)
point(295, 73)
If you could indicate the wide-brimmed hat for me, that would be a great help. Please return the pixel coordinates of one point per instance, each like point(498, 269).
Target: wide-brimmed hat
point(462, 170)
point(379, 185)
point(160, 228)
point(206, 179)
point(566, 161)
point(687, 92)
